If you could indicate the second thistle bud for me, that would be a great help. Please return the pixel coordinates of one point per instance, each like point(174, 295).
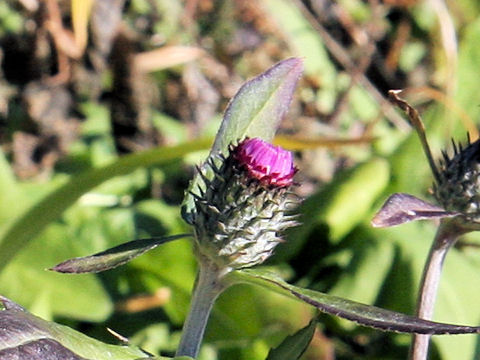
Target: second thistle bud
point(241, 210)
point(458, 185)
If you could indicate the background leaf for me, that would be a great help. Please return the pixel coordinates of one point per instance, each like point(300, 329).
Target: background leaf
point(294, 345)
point(52, 294)
point(37, 217)
point(341, 206)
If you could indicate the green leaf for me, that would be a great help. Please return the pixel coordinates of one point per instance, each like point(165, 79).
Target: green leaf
point(342, 205)
point(111, 258)
point(28, 336)
point(362, 314)
point(363, 278)
point(157, 269)
point(294, 345)
point(35, 219)
point(50, 294)
point(255, 111)
point(259, 105)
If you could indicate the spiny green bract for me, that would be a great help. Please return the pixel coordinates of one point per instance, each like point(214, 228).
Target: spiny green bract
point(458, 186)
point(238, 219)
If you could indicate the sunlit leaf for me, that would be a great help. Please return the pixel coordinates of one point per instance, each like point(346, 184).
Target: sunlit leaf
point(341, 205)
point(35, 219)
point(25, 336)
point(50, 294)
point(111, 258)
point(363, 278)
point(362, 314)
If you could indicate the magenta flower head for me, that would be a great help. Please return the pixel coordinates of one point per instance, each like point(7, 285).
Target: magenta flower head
point(242, 207)
point(271, 165)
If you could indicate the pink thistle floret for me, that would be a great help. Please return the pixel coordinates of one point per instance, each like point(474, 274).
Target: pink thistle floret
point(270, 164)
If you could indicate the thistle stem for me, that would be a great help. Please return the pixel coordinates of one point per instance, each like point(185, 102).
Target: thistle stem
point(208, 287)
point(446, 236)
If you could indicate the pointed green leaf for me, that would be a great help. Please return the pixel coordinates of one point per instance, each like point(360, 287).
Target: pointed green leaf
point(259, 105)
point(255, 111)
point(362, 314)
point(25, 336)
point(26, 281)
point(35, 219)
point(116, 256)
point(294, 345)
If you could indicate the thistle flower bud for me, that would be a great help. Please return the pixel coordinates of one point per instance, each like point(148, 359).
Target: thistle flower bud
point(241, 210)
point(458, 183)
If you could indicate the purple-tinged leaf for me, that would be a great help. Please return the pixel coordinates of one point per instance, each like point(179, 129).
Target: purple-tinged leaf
point(113, 257)
point(362, 314)
point(25, 336)
point(255, 111)
point(401, 208)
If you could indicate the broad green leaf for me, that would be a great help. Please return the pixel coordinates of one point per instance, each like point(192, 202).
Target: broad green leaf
point(362, 314)
point(370, 264)
point(243, 313)
point(51, 294)
point(156, 269)
point(294, 345)
point(255, 111)
point(34, 220)
point(111, 258)
point(354, 197)
point(28, 336)
point(341, 205)
point(363, 278)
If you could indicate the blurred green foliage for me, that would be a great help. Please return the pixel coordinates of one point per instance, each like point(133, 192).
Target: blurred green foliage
point(95, 197)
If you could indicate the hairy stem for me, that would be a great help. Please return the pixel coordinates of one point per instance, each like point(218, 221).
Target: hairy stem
point(446, 236)
point(207, 288)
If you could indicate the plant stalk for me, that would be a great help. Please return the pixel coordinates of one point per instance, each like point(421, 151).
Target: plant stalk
point(447, 234)
point(208, 286)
